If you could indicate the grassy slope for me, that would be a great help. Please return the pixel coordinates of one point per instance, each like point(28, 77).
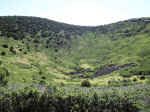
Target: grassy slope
point(90, 50)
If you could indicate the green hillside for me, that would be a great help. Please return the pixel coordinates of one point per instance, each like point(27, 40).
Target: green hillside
point(36, 51)
point(40, 50)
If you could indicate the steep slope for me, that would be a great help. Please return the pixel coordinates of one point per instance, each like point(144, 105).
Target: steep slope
point(36, 50)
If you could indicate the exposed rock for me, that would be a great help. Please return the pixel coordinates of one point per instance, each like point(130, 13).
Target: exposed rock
point(107, 69)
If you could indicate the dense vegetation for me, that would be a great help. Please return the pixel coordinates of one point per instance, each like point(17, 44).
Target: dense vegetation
point(32, 102)
point(38, 52)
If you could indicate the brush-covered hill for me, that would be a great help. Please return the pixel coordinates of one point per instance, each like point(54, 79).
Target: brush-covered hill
point(36, 50)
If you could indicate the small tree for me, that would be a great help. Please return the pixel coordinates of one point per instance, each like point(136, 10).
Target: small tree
point(86, 83)
point(5, 46)
point(142, 77)
point(3, 53)
point(12, 50)
point(0, 62)
point(3, 76)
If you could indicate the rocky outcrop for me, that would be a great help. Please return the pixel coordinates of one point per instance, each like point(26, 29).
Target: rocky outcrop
point(103, 70)
point(107, 69)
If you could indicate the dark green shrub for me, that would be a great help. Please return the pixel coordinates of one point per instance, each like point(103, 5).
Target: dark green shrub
point(142, 72)
point(56, 50)
point(1, 62)
point(40, 72)
point(3, 53)
point(12, 50)
point(20, 49)
point(32, 101)
point(109, 82)
point(5, 46)
point(142, 77)
point(25, 52)
point(42, 82)
point(43, 77)
point(86, 83)
point(134, 79)
point(3, 76)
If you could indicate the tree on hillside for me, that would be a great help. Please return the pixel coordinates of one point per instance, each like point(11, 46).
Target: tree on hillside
point(3, 76)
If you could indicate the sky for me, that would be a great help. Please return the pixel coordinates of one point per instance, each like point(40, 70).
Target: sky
point(78, 12)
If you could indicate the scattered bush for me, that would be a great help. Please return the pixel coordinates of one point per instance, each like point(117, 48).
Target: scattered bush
point(3, 76)
point(0, 62)
point(40, 72)
point(142, 77)
point(46, 46)
point(5, 46)
point(42, 82)
point(43, 77)
point(134, 79)
point(20, 49)
point(12, 50)
point(3, 53)
point(86, 83)
point(147, 72)
point(25, 52)
point(109, 82)
point(56, 50)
